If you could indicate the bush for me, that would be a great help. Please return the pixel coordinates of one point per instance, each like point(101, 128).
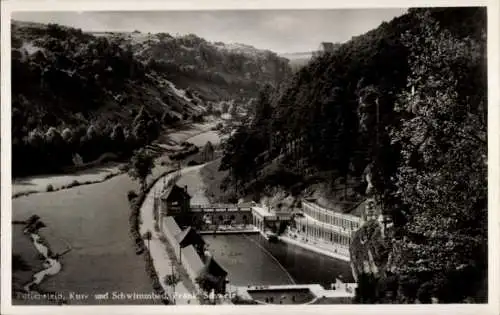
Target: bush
point(424, 293)
point(50, 188)
point(73, 183)
point(192, 163)
point(123, 167)
point(131, 195)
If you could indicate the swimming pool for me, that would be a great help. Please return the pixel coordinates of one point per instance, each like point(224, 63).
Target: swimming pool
point(252, 260)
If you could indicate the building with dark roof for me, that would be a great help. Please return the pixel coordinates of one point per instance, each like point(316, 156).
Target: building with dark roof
point(214, 276)
point(174, 200)
point(190, 237)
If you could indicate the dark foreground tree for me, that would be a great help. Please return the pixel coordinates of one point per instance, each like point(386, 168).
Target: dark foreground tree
point(141, 166)
point(442, 179)
point(148, 236)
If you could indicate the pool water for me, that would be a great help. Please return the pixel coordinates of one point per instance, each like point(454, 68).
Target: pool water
point(252, 260)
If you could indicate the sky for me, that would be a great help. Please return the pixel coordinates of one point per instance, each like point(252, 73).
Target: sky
point(282, 31)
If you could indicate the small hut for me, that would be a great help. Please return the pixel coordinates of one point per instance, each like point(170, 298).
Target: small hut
point(190, 237)
point(212, 277)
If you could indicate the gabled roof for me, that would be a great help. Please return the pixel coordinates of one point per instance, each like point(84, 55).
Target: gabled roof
point(214, 269)
point(175, 193)
point(189, 237)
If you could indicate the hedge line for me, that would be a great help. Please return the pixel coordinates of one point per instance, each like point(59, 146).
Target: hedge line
point(136, 204)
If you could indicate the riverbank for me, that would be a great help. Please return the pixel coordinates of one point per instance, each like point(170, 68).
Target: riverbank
point(51, 264)
point(31, 272)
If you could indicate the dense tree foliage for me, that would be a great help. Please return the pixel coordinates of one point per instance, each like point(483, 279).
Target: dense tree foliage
point(141, 166)
point(442, 178)
point(405, 104)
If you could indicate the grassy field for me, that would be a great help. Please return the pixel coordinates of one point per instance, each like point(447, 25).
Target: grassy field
point(94, 220)
point(182, 133)
point(201, 139)
point(30, 261)
point(39, 183)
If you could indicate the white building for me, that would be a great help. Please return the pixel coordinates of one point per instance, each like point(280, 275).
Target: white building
point(326, 226)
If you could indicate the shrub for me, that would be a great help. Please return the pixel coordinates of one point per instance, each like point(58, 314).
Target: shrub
point(73, 183)
point(123, 167)
point(50, 188)
point(134, 219)
point(424, 293)
point(131, 195)
point(163, 163)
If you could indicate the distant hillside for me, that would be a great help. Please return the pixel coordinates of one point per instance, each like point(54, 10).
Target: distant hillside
point(86, 84)
point(217, 71)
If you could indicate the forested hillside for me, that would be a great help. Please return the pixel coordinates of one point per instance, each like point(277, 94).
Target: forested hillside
point(76, 92)
point(405, 103)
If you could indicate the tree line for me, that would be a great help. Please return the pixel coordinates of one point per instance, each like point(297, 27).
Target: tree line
point(54, 150)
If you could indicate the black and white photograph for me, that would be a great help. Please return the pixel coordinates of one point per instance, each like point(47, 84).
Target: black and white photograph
point(264, 157)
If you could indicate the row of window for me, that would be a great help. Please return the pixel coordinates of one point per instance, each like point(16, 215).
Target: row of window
point(222, 218)
point(328, 236)
point(329, 218)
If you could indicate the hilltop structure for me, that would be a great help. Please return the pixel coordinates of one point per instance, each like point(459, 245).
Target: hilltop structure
point(324, 47)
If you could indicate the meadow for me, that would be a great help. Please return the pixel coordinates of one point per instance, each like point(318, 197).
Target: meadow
point(94, 220)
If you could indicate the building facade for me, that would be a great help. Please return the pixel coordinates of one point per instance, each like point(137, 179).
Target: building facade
point(173, 201)
point(326, 226)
